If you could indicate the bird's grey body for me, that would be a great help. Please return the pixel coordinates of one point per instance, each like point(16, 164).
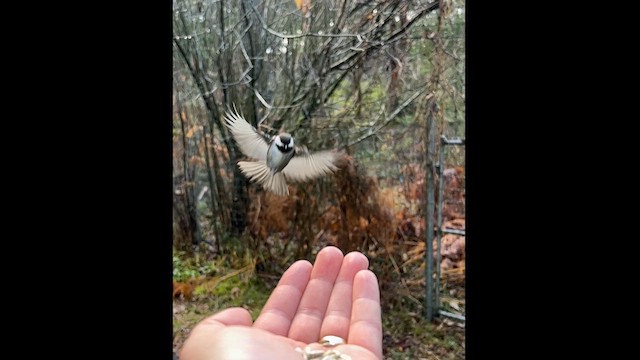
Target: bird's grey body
point(275, 158)
point(279, 155)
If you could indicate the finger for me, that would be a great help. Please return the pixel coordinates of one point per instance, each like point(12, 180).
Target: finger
point(201, 335)
point(278, 312)
point(306, 324)
point(338, 315)
point(366, 324)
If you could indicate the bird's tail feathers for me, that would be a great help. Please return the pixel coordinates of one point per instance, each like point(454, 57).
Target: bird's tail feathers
point(259, 172)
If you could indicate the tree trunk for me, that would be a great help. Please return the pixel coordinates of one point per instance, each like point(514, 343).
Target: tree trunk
point(186, 191)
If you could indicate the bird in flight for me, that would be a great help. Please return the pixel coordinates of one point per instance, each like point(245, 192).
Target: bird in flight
point(277, 159)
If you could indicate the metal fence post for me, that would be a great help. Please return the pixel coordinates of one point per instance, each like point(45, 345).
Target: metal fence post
point(428, 272)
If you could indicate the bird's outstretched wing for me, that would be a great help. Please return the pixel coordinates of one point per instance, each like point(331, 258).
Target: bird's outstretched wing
point(305, 165)
point(251, 142)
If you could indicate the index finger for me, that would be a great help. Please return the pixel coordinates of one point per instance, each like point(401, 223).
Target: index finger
point(278, 312)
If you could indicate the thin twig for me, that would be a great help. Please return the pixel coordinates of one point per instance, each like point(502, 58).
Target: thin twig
point(285, 36)
point(374, 130)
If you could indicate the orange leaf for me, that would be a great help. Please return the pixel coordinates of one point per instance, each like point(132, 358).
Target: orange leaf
point(303, 5)
point(196, 160)
point(191, 132)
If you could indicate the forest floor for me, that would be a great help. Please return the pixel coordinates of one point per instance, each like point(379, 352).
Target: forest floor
point(406, 334)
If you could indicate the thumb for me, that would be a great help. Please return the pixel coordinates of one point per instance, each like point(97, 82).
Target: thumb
point(231, 316)
point(201, 335)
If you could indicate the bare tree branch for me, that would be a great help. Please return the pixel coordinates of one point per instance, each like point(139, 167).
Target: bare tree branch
point(374, 129)
point(285, 36)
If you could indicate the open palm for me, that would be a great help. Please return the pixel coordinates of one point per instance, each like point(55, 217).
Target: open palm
point(335, 296)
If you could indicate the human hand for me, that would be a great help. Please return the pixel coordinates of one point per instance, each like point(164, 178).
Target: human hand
point(336, 296)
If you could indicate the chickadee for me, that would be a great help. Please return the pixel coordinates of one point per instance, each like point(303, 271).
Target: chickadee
point(277, 158)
